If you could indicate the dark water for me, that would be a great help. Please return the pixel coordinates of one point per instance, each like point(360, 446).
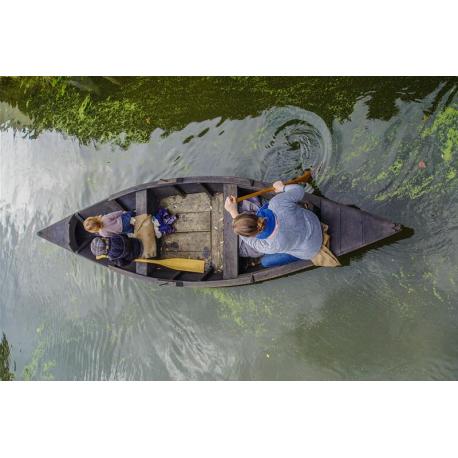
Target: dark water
point(391, 314)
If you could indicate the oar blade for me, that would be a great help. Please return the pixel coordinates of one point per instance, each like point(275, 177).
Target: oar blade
point(186, 265)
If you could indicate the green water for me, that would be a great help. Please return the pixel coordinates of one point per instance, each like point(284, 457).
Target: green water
point(387, 145)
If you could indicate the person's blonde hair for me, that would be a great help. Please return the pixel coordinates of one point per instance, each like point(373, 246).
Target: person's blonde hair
point(93, 224)
point(248, 225)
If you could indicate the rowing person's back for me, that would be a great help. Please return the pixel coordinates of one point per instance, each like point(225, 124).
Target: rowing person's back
point(282, 231)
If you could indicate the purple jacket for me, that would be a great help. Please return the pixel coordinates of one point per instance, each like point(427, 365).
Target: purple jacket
point(112, 224)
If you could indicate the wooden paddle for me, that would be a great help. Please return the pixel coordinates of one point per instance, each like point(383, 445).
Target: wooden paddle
point(186, 265)
point(302, 179)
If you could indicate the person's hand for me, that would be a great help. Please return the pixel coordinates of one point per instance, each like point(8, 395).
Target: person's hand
point(279, 186)
point(230, 204)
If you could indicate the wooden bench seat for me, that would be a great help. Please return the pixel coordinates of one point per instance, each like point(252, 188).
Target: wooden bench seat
point(231, 242)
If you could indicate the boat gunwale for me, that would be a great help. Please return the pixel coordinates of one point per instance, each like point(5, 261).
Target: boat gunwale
point(241, 182)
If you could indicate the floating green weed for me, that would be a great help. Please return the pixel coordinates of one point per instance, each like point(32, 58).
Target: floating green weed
point(248, 314)
point(451, 145)
point(5, 356)
point(396, 167)
point(405, 178)
point(126, 110)
point(38, 369)
point(451, 174)
point(445, 128)
point(363, 143)
point(393, 170)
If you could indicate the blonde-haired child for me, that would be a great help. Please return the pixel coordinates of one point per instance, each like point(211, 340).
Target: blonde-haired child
point(111, 224)
point(115, 223)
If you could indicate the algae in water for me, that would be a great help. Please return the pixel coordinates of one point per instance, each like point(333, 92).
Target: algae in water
point(5, 359)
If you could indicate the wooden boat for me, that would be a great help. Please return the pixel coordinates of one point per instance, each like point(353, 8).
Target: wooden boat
point(204, 230)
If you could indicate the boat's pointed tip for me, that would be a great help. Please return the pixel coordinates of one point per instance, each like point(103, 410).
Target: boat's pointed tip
point(47, 234)
point(57, 233)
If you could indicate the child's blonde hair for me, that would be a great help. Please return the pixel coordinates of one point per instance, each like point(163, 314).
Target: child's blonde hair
point(93, 224)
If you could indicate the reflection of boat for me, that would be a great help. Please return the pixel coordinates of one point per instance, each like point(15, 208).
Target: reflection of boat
point(204, 230)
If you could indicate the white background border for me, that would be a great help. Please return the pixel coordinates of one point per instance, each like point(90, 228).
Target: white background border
point(236, 37)
point(229, 419)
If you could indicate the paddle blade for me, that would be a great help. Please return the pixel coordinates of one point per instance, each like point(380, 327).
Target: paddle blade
point(186, 265)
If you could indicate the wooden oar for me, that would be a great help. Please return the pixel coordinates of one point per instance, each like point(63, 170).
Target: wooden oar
point(186, 265)
point(302, 179)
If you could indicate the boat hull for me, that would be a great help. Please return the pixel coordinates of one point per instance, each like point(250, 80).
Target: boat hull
point(209, 235)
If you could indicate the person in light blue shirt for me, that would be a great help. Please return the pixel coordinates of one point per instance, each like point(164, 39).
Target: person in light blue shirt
point(281, 231)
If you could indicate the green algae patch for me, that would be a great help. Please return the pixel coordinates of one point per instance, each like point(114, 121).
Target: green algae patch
point(123, 110)
point(38, 368)
point(437, 295)
point(451, 145)
point(56, 103)
point(393, 170)
point(396, 167)
point(363, 143)
point(410, 189)
point(5, 359)
point(451, 174)
point(405, 177)
point(445, 129)
point(247, 314)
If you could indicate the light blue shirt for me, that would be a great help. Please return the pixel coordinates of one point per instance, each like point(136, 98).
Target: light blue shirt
point(298, 230)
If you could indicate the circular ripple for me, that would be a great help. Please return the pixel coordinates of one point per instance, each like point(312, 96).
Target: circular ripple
point(299, 139)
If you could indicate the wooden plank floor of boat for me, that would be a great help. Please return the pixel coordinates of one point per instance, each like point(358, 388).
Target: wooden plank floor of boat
point(199, 228)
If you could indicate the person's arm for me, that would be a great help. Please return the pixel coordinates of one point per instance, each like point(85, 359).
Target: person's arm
point(104, 233)
point(231, 206)
point(288, 195)
point(231, 202)
point(113, 215)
